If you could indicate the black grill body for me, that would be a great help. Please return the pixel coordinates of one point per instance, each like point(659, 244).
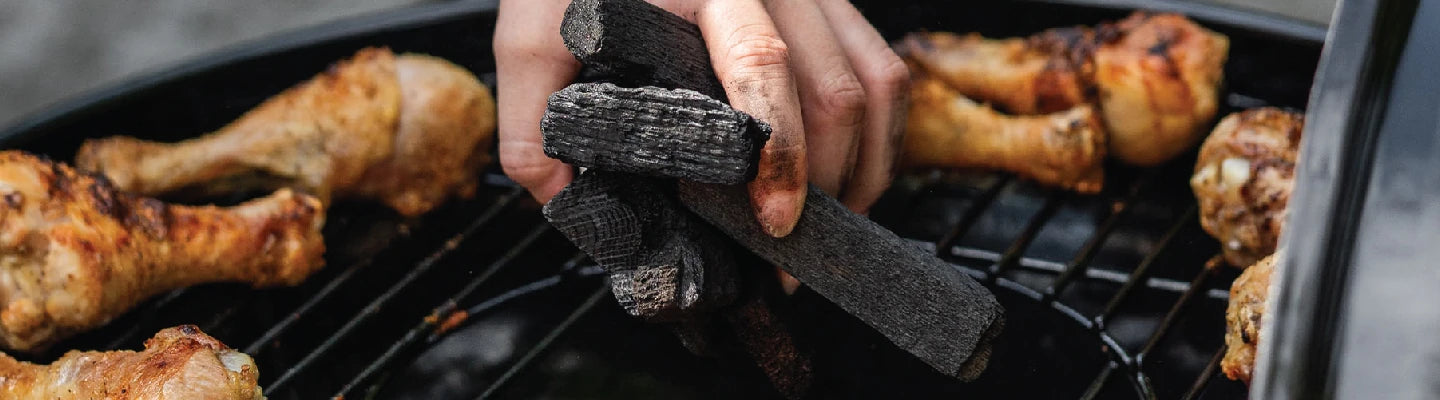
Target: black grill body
point(1107, 296)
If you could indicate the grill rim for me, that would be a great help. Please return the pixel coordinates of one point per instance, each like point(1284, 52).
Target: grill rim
point(48, 118)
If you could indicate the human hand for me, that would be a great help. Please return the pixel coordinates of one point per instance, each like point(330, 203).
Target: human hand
point(828, 84)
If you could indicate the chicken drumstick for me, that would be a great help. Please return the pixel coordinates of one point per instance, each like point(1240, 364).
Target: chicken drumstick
point(410, 131)
point(1243, 319)
point(75, 252)
point(1243, 180)
point(945, 129)
point(1153, 77)
point(177, 363)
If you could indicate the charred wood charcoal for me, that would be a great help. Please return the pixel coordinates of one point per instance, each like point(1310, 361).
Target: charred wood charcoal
point(764, 336)
point(919, 302)
point(653, 132)
point(664, 263)
point(756, 328)
point(922, 304)
point(761, 322)
point(620, 41)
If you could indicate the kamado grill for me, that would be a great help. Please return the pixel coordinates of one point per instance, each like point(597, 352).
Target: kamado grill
point(1106, 296)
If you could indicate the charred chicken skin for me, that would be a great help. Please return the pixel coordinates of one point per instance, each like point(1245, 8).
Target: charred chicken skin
point(410, 131)
point(1243, 317)
point(179, 363)
point(1153, 77)
point(945, 129)
point(76, 252)
point(1243, 180)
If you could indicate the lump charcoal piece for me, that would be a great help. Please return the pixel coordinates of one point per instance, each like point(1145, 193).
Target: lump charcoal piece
point(765, 338)
point(664, 263)
point(589, 212)
point(922, 304)
point(653, 132)
point(697, 333)
point(618, 40)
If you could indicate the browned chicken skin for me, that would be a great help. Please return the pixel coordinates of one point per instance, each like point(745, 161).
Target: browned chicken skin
point(179, 363)
point(945, 129)
point(75, 252)
point(410, 131)
point(1243, 318)
point(1153, 77)
point(1243, 180)
point(1017, 75)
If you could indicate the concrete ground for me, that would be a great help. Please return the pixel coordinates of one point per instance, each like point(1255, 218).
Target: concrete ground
point(52, 49)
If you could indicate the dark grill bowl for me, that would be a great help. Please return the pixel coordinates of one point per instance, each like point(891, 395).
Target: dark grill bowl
point(1107, 296)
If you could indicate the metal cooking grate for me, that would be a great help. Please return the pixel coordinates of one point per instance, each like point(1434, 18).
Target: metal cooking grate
point(995, 269)
point(310, 345)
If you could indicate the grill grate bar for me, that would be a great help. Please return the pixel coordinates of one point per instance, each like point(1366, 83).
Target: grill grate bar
point(1032, 229)
point(500, 204)
point(1099, 382)
point(375, 305)
point(1174, 314)
point(1203, 381)
point(546, 342)
point(224, 316)
point(1141, 273)
point(1087, 253)
point(427, 326)
point(532, 287)
point(1050, 267)
point(485, 276)
point(149, 315)
point(478, 309)
point(967, 220)
point(305, 307)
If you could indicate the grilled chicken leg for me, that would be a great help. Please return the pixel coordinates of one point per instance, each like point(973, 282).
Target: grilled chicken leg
point(75, 252)
point(1243, 317)
point(1017, 75)
point(410, 131)
point(177, 363)
point(1153, 77)
point(1243, 179)
point(945, 129)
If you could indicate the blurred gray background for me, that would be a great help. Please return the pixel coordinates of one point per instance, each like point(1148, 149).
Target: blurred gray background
point(53, 49)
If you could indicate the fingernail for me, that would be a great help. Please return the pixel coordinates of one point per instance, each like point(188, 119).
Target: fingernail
point(779, 212)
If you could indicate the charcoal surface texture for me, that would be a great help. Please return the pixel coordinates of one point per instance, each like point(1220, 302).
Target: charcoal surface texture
point(922, 304)
point(665, 264)
point(697, 333)
point(671, 133)
point(621, 41)
point(761, 323)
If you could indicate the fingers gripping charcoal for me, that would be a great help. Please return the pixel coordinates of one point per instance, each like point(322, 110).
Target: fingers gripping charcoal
point(922, 304)
point(653, 132)
point(919, 302)
point(664, 263)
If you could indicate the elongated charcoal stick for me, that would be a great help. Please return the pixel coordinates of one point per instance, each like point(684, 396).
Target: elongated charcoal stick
point(664, 262)
point(653, 132)
point(922, 304)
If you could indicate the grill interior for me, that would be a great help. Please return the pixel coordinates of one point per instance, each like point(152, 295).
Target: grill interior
point(1107, 296)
